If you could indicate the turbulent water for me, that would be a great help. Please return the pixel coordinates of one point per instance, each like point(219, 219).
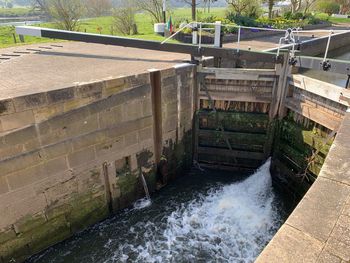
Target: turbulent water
point(201, 218)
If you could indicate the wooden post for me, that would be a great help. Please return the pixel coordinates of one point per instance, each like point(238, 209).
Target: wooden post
point(107, 187)
point(280, 87)
point(21, 38)
point(277, 108)
point(157, 114)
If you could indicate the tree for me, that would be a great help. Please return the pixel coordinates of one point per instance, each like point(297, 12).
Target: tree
point(239, 6)
point(270, 4)
point(207, 3)
point(244, 7)
point(66, 12)
point(124, 18)
point(328, 7)
point(6, 3)
point(344, 6)
point(308, 4)
point(193, 4)
point(98, 7)
point(296, 5)
point(153, 8)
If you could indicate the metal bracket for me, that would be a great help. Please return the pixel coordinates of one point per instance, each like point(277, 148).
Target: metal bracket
point(326, 65)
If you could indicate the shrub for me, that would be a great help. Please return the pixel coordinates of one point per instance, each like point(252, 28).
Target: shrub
point(294, 16)
point(279, 22)
point(241, 20)
point(322, 16)
point(328, 7)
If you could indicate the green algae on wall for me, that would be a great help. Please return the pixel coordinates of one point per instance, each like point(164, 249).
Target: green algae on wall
point(300, 149)
point(32, 234)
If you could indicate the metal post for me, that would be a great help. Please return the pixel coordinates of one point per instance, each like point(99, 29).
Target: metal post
point(327, 48)
point(325, 64)
point(239, 38)
point(217, 40)
point(200, 35)
point(195, 33)
point(164, 11)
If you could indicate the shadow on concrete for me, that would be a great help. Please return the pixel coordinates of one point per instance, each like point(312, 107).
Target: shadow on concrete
point(80, 55)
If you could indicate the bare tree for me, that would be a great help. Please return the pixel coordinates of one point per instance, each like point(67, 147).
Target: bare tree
point(344, 6)
point(98, 7)
point(308, 4)
point(124, 18)
point(239, 6)
point(193, 4)
point(152, 7)
point(270, 4)
point(296, 5)
point(66, 12)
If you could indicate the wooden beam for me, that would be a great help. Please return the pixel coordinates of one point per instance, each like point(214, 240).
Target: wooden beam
point(208, 51)
point(231, 153)
point(240, 74)
point(240, 97)
point(320, 88)
point(324, 118)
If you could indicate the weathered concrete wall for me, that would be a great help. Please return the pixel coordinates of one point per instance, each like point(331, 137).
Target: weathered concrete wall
point(318, 229)
point(313, 112)
point(177, 116)
point(70, 157)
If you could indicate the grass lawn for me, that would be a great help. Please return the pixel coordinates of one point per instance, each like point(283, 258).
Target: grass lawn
point(17, 11)
point(331, 19)
point(336, 20)
point(143, 21)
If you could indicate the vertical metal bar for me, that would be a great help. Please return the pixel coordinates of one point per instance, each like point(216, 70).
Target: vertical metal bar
point(195, 34)
point(347, 82)
point(200, 35)
point(279, 46)
point(239, 38)
point(327, 48)
point(217, 34)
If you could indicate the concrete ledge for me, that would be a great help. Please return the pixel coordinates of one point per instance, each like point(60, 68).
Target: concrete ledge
point(319, 228)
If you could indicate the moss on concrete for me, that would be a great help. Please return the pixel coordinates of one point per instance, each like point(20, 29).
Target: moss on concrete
point(49, 233)
point(35, 233)
point(234, 121)
point(300, 150)
point(29, 222)
point(7, 235)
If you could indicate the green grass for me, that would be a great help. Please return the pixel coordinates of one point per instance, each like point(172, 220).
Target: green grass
point(336, 20)
point(331, 19)
point(143, 21)
point(17, 12)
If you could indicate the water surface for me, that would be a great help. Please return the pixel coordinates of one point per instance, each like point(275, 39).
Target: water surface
point(202, 217)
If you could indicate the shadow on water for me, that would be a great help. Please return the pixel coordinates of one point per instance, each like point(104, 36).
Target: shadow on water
point(176, 227)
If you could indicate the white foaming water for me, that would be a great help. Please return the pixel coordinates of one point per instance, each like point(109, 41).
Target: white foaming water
point(231, 224)
point(142, 203)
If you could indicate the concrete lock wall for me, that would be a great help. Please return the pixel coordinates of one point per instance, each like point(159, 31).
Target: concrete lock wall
point(70, 157)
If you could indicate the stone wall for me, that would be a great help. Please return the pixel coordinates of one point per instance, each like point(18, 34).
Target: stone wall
point(70, 157)
point(318, 229)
